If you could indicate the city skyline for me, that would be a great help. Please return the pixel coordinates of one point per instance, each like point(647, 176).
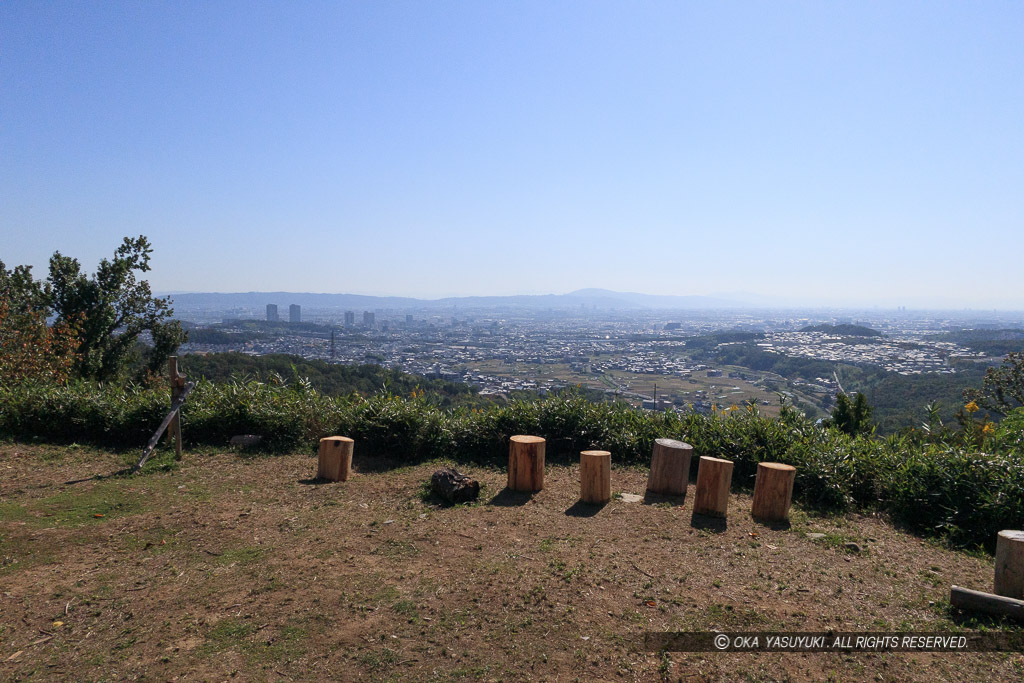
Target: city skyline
point(825, 155)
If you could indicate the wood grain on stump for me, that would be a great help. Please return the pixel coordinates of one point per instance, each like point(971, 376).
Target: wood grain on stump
point(595, 477)
point(526, 463)
point(773, 491)
point(670, 467)
point(334, 459)
point(714, 476)
point(1009, 580)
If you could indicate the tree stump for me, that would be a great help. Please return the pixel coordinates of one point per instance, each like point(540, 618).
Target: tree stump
point(714, 476)
point(334, 460)
point(1010, 564)
point(526, 463)
point(670, 467)
point(596, 477)
point(773, 491)
point(454, 486)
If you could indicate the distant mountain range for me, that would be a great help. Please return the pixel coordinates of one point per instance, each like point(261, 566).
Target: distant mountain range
point(586, 298)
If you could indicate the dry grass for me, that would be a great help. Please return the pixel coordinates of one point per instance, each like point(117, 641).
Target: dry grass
point(233, 567)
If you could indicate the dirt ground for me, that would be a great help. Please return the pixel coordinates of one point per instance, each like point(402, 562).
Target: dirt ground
point(246, 568)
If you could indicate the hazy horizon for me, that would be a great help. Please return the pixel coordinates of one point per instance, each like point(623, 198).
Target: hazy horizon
point(853, 155)
point(732, 300)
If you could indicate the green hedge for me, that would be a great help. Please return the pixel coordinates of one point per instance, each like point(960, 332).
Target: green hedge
point(942, 486)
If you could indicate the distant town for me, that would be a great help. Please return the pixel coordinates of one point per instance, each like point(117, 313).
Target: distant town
point(644, 357)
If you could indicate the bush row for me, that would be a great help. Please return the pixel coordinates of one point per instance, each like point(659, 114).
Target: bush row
point(943, 488)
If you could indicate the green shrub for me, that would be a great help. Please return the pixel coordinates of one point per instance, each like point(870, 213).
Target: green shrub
point(940, 485)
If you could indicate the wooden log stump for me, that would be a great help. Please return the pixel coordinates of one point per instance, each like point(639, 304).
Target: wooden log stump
point(596, 477)
point(334, 459)
point(670, 467)
point(1009, 581)
point(526, 463)
point(773, 491)
point(714, 477)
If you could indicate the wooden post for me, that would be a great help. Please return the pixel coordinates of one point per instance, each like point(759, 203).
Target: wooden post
point(714, 476)
point(1010, 564)
point(177, 384)
point(596, 477)
point(773, 491)
point(670, 467)
point(526, 463)
point(155, 439)
point(334, 459)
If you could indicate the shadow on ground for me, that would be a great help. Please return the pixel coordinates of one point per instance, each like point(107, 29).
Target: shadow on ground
point(656, 498)
point(705, 523)
point(581, 509)
point(509, 498)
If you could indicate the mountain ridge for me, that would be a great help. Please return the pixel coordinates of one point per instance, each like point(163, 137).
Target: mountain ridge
point(591, 298)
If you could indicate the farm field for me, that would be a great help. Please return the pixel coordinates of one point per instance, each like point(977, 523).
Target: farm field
point(723, 391)
point(245, 567)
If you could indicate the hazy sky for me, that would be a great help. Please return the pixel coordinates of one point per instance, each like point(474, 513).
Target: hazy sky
point(842, 151)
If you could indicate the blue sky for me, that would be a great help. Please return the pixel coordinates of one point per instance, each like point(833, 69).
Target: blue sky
point(843, 152)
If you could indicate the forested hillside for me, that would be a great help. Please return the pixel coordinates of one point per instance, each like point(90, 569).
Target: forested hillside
point(330, 379)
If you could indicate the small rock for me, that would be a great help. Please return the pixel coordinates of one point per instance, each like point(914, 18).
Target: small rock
point(852, 547)
point(630, 498)
point(815, 537)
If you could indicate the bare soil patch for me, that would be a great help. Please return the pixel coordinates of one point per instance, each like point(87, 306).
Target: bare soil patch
point(247, 568)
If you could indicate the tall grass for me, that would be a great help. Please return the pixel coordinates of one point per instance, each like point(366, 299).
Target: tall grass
point(938, 486)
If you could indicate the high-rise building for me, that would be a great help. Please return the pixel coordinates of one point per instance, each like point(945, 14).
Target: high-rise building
point(408, 318)
point(272, 313)
point(368, 318)
point(295, 313)
point(350, 318)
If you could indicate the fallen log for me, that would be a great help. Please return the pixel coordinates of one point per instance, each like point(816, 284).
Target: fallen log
point(977, 601)
point(453, 486)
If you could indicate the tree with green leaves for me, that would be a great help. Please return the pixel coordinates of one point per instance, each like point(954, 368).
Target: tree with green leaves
point(852, 417)
point(114, 308)
point(1002, 388)
point(107, 311)
point(30, 349)
point(20, 291)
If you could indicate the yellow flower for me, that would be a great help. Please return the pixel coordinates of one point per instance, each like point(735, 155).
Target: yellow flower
point(971, 407)
point(733, 407)
point(987, 429)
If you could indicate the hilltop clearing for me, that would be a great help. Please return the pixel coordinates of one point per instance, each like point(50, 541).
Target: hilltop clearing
point(233, 566)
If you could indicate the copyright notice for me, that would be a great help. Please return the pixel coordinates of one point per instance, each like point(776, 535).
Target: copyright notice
point(831, 642)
